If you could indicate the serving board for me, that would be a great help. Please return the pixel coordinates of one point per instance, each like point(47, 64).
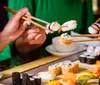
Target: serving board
point(82, 67)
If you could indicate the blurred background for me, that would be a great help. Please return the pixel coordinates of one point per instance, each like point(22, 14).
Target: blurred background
point(4, 18)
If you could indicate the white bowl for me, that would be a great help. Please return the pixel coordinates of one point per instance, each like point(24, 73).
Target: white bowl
point(62, 47)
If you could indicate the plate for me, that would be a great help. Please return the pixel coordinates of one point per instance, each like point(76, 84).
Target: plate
point(93, 43)
point(52, 50)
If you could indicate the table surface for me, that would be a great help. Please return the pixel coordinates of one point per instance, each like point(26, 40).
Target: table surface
point(35, 66)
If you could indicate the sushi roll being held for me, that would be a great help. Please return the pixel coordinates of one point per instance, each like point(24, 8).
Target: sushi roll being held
point(94, 28)
point(54, 26)
point(65, 39)
point(69, 25)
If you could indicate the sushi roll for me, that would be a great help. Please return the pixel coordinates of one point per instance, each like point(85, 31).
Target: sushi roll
point(25, 79)
point(54, 26)
point(65, 39)
point(86, 54)
point(54, 69)
point(16, 80)
point(90, 60)
point(37, 80)
point(94, 28)
point(70, 25)
point(82, 58)
point(97, 52)
point(46, 76)
point(90, 49)
point(32, 81)
point(67, 68)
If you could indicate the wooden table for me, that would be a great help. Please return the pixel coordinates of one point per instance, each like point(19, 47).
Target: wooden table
point(35, 66)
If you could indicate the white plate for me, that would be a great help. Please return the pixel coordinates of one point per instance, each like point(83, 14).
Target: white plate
point(53, 51)
point(93, 43)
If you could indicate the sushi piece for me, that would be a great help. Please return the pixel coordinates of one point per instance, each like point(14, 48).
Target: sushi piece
point(82, 58)
point(16, 80)
point(65, 39)
point(54, 26)
point(46, 76)
point(70, 25)
point(67, 68)
point(86, 54)
point(97, 52)
point(94, 28)
point(54, 69)
point(32, 81)
point(37, 80)
point(90, 49)
point(90, 60)
point(25, 79)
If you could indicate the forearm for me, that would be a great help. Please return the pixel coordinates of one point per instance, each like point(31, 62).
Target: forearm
point(23, 47)
point(4, 41)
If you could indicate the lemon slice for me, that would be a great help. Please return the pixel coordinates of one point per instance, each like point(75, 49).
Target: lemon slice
point(84, 75)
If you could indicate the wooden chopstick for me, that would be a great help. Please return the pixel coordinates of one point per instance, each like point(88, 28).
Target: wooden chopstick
point(97, 20)
point(86, 35)
point(24, 18)
point(93, 39)
point(40, 20)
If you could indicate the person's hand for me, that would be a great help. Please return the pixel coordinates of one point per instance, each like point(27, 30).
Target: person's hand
point(16, 26)
point(34, 36)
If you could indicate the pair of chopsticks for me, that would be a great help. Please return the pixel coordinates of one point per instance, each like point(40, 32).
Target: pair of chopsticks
point(24, 18)
point(93, 39)
point(86, 35)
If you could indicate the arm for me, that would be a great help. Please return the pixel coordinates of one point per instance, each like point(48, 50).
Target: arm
point(13, 29)
point(3, 41)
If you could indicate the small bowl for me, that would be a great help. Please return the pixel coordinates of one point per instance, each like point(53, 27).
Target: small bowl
point(63, 47)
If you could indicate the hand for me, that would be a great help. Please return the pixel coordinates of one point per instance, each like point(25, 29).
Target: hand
point(15, 27)
point(34, 36)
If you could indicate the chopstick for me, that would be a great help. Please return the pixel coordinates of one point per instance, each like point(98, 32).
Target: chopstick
point(94, 39)
point(24, 18)
point(40, 20)
point(97, 20)
point(86, 35)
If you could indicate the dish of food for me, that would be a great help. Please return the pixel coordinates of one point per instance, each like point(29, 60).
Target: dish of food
point(68, 73)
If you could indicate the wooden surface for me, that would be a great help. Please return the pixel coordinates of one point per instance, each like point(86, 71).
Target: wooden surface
point(29, 65)
point(42, 66)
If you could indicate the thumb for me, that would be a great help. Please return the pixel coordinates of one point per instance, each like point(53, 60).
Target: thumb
point(20, 13)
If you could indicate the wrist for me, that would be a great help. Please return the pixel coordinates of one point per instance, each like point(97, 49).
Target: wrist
point(4, 39)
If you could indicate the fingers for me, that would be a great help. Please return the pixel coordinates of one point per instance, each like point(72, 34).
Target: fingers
point(35, 38)
point(33, 29)
point(39, 39)
point(19, 14)
point(30, 37)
